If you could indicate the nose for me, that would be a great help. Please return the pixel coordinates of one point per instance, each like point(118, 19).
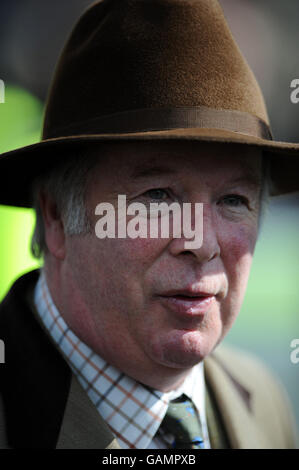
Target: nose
point(210, 247)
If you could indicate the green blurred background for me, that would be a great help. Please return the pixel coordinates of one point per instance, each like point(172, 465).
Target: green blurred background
point(269, 319)
point(20, 124)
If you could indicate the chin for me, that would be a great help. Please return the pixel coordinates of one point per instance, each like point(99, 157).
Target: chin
point(182, 349)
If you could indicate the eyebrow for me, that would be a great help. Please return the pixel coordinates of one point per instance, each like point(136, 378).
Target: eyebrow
point(141, 172)
point(250, 179)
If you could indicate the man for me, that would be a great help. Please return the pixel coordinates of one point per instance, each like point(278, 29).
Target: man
point(151, 100)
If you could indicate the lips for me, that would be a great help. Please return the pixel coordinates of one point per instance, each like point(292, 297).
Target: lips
point(188, 303)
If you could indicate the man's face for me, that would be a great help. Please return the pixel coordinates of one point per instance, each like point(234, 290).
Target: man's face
point(150, 302)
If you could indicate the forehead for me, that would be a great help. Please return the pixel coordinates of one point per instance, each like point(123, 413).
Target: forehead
point(135, 161)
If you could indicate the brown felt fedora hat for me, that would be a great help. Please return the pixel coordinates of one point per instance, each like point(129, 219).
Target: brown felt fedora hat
point(137, 70)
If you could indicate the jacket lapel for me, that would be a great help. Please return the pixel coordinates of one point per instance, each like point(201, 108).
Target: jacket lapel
point(82, 426)
point(3, 436)
point(233, 401)
point(35, 380)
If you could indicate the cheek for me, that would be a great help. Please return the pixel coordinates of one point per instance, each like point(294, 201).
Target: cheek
point(237, 250)
point(121, 265)
point(237, 246)
point(142, 250)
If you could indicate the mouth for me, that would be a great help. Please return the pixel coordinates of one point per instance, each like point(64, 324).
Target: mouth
point(188, 303)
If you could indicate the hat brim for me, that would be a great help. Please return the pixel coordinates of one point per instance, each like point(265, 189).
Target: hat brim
point(19, 167)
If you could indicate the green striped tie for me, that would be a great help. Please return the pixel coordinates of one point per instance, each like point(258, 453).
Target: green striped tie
point(181, 421)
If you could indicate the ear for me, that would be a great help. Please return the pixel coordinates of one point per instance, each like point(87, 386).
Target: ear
point(54, 229)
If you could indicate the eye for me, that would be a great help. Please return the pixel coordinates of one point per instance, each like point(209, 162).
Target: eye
point(158, 194)
point(235, 200)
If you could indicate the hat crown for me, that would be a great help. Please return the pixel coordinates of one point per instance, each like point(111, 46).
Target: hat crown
point(134, 54)
point(150, 70)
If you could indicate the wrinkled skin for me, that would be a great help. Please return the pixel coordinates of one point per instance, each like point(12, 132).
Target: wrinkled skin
point(114, 293)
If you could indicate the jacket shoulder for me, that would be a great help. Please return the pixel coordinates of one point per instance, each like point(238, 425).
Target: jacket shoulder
point(34, 370)
point(266, 394)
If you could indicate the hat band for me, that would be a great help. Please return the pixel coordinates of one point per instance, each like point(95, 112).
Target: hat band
point(160, 119)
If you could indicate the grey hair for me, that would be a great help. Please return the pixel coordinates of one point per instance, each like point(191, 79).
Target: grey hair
point(266, 189)
point(66, 184)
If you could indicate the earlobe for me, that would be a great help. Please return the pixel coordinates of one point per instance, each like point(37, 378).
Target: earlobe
point(54, 228)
